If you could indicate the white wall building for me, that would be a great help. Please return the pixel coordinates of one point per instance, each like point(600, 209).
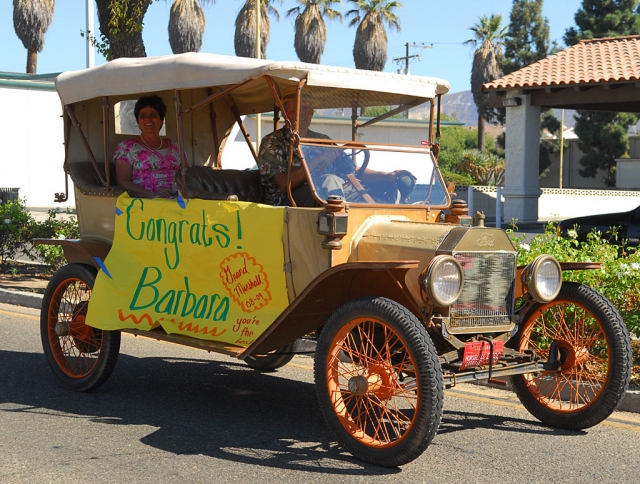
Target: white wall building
point(33, 139)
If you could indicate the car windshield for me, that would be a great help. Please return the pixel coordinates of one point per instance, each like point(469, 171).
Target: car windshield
point(374, 174)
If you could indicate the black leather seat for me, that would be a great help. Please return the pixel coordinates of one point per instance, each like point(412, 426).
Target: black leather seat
point(86, 179)
point(213, 184)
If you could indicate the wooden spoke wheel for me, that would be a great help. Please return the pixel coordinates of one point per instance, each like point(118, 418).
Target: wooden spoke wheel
point(586, 344)
point(81, 357)
point(378, 381)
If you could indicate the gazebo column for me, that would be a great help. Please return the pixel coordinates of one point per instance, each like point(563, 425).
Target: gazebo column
point(522, 153)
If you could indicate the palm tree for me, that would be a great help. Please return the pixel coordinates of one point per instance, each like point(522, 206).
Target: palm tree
point(31, 19)
point(186, 26)
point(311, 32)
point(244, 40)
point(488, 40)
point(370, 46)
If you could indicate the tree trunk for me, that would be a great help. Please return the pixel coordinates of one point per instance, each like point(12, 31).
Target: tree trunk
point(130, 45)
point(32, 61)
point(481, 144)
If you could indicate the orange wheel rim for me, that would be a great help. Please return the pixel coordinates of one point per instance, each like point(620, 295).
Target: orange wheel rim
point(74, 345)
point(372, 383)
point(582, 350)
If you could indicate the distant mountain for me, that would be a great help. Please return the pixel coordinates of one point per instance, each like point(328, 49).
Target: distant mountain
point(458, 105)
point(461, 104)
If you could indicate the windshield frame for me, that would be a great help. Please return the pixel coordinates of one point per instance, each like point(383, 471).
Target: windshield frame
point(374, 146)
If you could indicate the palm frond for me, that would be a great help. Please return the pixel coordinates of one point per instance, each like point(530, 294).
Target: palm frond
point(31, 19)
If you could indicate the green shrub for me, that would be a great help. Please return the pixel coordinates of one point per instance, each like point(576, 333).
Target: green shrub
point(15, 229)
point(454, 140)
point(618, 279)
point(460, 179)
point(54, 227)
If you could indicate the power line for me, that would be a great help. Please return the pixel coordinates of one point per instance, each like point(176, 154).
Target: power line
point(408, 57)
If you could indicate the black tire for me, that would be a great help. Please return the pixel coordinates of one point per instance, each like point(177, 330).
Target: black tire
point(591, 345)
point(81, 357)
point(378, 381)
point(271, 361)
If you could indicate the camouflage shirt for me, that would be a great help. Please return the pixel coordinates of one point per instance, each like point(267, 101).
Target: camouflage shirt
point(274, 158)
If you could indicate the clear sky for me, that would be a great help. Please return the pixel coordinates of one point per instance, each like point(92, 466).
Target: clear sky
point(442, 25)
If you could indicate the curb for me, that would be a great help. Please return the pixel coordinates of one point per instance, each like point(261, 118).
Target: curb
point(21, 298)
point(630, 402)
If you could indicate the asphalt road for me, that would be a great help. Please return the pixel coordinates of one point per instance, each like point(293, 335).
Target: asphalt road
point(172, 414)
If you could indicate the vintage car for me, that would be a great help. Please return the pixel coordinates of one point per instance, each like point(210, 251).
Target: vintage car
point(407, 295)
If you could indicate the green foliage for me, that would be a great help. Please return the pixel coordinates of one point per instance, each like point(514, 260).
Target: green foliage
point(54, 228)
point(121, 24)
point(527, 40)
point(18, 228)
point(618, 279)
point(448, 117)
point(453, 141)
point(460, 179)
point(102, 45)
point(126, 17)
point(603, 138)
point(374, 111)
point(551, 124)
point(15, 229)
point(487, 168)
point(604, 18)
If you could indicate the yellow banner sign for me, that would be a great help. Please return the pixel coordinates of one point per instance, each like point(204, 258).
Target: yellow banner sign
point(207, 269)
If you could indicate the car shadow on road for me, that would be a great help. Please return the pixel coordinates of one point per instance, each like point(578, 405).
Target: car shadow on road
point(199, 407)
point(455, 421)
point(219, 409)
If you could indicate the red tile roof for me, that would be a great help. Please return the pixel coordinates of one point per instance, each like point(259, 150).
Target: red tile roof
point(594, 61)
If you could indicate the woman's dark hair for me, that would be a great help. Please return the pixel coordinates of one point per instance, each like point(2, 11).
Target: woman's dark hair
point(154, 101)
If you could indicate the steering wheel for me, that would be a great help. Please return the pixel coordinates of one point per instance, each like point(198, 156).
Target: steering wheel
point(365, 163)
point(362, 191)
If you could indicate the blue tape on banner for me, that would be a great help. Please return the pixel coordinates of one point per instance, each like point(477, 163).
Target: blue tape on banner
point(118, 211)
point(103, 267)
point(181, 201)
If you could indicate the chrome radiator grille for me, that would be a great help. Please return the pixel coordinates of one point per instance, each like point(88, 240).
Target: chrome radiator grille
point(488, 292)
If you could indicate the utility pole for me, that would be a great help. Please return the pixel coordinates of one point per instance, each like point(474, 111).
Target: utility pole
point(406, 60)
point(91, 56)
point(408, 57)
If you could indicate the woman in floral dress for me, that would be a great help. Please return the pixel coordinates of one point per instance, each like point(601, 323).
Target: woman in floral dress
point(146, 165)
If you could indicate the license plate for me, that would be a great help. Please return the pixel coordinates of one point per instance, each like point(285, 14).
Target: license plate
point(476, 353)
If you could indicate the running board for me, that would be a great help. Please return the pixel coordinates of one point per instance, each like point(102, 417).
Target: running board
point(201, 344)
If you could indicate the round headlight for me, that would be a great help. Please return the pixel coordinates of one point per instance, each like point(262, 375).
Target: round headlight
point(543, 278)
point(443, 280)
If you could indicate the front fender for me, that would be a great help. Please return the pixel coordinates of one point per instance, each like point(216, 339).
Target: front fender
point(330, 290)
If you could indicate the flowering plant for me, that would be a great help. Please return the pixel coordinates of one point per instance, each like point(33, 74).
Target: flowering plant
point(618, 279)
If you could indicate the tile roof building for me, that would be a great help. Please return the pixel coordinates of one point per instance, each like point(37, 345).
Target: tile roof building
point(595, 74)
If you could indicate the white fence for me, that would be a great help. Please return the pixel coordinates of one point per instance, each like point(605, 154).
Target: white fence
point(554, 203)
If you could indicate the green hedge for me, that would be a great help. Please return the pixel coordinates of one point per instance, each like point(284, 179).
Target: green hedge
point(18, 228)
point(618, 279)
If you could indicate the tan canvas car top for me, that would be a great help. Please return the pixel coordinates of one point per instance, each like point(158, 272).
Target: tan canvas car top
point(197, 70)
